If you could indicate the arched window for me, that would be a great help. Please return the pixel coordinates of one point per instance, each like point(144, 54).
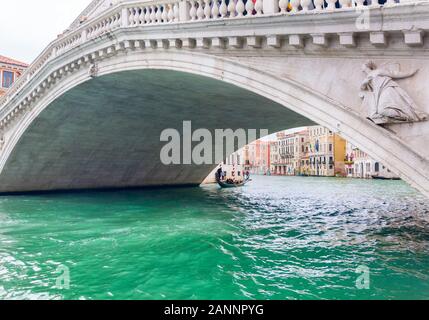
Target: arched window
point(377, 167)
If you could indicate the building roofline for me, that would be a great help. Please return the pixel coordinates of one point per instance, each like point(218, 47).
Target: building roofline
point(10, 61)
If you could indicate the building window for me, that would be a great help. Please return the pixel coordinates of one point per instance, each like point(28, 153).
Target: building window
point(7, 79)
point(377, 167)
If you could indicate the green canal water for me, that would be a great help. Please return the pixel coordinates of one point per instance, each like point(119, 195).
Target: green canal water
point(277, 238)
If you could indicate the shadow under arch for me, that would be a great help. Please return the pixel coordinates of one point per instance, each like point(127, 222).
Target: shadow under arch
point(166, 83)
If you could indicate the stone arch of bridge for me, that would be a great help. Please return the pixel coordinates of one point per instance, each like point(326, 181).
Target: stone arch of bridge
point(307, 102)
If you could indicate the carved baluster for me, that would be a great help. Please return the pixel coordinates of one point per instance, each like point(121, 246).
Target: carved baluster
point(259, 5)
point(223, 9)
point(295, 5)
point(215, 9)
point(176, 12)
point(113, 22)
point(283, 5)
point(331, 4)
point(318, 4)
point(170, 13)
point(305, 5)
point(193, 11)
point(231, 9)
point(240, 8)
point(207, 9)
point(141, 16)
point(152, 14)
point(200, 10)
point(135, 16)
point(118, 20)
point(158, 14)
point(102, 27)
point(131, 16)
point(164, 15)
point(249, 7)
point(147, 15)
point(110, 22)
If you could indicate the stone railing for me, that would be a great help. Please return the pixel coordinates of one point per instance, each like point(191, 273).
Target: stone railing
point(129, 14)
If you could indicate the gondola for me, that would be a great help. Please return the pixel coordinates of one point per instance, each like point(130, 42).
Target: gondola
point(224, 184)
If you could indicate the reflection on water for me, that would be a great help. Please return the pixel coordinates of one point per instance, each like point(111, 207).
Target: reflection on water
point(277, 238)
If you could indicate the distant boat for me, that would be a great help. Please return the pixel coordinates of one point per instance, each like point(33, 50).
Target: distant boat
point(224, 184)
point(385, 178)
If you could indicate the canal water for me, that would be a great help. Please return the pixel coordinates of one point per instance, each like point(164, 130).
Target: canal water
point(277, 238)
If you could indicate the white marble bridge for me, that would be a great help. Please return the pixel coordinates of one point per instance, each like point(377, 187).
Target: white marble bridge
point(89, 110)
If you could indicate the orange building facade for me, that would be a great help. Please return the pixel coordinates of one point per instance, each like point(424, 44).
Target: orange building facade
point(10, 70)
point(257, 157)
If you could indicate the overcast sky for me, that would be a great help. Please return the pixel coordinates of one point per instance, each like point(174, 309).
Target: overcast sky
point(27, 26)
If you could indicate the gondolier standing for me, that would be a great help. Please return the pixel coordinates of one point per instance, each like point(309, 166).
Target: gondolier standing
point(219, 174)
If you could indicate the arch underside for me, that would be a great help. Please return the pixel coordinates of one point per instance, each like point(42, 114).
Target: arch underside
point(105, 132)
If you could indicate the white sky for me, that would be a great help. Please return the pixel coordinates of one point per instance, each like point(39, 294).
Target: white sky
point(27, 26)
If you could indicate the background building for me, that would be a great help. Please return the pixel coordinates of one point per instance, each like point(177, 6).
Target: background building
point(313, 151)
point(10, 70)
point(257, 158)
point(327, 152)
point(301, 158)
point(360, 165)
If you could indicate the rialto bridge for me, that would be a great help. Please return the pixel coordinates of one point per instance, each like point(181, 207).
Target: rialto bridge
point(89, 111)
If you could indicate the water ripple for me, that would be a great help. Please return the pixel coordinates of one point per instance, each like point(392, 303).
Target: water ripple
point(278, 238)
